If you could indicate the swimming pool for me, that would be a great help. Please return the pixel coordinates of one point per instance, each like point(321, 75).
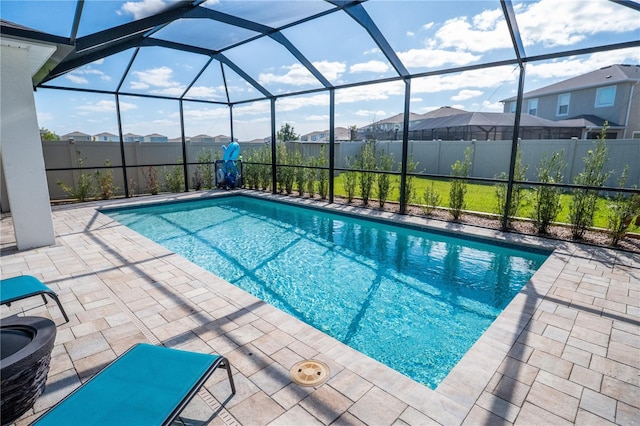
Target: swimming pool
point(414, 300)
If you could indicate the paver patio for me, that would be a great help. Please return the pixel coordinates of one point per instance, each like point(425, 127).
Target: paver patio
point(565, 351)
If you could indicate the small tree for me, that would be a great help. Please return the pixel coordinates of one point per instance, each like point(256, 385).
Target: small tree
point(153, 181)
point(300, 173)
point(583, 206)
point(287, 133)
point(105, 182)
point(48, 135)
point(518, 193)
point(323, 173)
point(350, 182)
point(205, 169)
point(385, 164)
point(175, 178)
point(546, 199)
point(409, 190)
point(458, 187)
point(366, 162)
point(83, 189)
point(431, 199)
point(621, 211)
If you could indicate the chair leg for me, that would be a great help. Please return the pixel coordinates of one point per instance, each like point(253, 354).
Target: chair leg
point(227, 367)
point(55, 297)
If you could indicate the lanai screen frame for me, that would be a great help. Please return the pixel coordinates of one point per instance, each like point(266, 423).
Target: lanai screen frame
point(136, 35)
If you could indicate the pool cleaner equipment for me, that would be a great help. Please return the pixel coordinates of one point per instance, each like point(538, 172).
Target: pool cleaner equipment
point(229, 169)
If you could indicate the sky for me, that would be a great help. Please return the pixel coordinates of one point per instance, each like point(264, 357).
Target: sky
point(425, 35)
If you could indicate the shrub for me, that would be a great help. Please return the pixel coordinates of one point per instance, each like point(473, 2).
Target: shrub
point(546, 199)
point(621, 211)
point(83, 189)
point(153, 181)
point(518, 193)
point(105, 182)
point(300, 173)
point(366, 162)
point(205, 169)
point(431, 199)
point(583, 206)
point(175, 178)
point(458, 187)
point(350, 182)
point(409, 190)
point(323, 173)
point(384, 186)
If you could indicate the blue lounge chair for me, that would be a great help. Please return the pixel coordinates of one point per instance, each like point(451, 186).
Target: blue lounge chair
point(147, 385)
point(25, 286)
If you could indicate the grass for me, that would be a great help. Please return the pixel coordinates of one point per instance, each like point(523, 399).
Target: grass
point(481, 198)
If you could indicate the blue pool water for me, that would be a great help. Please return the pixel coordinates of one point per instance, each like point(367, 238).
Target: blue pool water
point(415, 301)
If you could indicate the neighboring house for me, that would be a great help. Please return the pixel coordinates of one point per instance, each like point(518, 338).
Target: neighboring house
point(132, 137)
point(155, 137)
point(339, 134)
point(77, 137)
point(611, 93)
point(106, 137)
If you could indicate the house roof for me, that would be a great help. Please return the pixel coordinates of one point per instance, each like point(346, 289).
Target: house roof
point(589, 121)
point(104, 134)
point(486, 119)
point(604, 76)
point(76, 133)
point(443, 112)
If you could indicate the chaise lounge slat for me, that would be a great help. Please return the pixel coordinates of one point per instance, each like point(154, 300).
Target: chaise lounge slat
point(147, 385)
point(25, 286)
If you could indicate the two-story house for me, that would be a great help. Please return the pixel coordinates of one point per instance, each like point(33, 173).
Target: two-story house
point(610, 94)
point(76, 137)
point(155, 137)
point(106, 137)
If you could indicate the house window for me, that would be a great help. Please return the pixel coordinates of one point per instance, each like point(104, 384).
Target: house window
point(512, 107)
point(635, 135)
point(533, 107)
point(605, 96)
point(563, 104)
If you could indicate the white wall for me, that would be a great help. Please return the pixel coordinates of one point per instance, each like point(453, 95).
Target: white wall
point(21, 151)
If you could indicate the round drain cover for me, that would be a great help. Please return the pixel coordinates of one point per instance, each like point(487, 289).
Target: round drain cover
point(310, 372)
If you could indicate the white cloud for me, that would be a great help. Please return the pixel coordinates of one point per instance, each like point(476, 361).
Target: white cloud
point(410, 34)
point(142, 9)
point(427, 26)
point(317, 118)
point(105, 106)
point(204, 92)
point(205, 114)
point(76, 79)
point(373, 115)
point(487, 31)
point(421, 58)
point(292, 103)
point(547, 21)
point(371, 92)
point(331, 70)
point(472, 80)
point(371, 66)
point(465, 94)
point(415, 99)
point(571, 67)
point(158, 80)
point(492, 106)
point(296, 75)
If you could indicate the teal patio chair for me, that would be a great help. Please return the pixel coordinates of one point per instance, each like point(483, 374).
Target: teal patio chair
point(22, 287)
point(147, 385)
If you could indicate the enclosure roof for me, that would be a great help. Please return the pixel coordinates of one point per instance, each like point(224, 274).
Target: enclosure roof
point(229, 51)
point(486, 119)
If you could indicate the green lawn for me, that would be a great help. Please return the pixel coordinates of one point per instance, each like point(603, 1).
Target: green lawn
point(479, 198)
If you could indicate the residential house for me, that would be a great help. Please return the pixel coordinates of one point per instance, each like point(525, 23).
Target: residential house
point(155, 137)
point(339, 134)
point(76, 137)
point(132, 137)
point(106, 137)
point(609, 94)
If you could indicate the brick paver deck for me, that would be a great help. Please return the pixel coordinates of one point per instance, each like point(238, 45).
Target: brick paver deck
point(565, 351)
